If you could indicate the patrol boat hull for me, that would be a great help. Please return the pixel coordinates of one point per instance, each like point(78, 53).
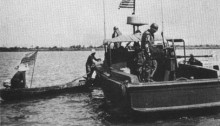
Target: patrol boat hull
point(125, 91)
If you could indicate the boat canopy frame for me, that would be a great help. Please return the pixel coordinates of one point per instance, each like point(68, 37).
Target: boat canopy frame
point(179, 41)
point(137, 38)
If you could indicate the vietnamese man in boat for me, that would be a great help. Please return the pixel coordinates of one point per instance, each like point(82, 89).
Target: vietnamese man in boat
point(147, 43)
point(90, 64)
point(19, 79)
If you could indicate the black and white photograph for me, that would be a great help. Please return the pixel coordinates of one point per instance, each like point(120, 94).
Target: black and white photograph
point(109, 62)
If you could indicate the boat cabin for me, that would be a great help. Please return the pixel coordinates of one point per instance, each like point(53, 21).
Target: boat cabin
point(120, 55)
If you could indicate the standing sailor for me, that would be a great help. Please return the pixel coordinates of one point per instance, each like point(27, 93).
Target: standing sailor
point(90, 64)
point(148, 36)
point(147, 43)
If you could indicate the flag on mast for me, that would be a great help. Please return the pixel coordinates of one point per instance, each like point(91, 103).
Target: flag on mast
point(127, 4)
point(29, 58)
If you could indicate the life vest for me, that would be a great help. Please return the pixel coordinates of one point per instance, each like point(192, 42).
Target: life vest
point(147, 38)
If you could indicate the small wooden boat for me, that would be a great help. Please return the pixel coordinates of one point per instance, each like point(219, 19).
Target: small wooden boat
point(20, 93)
point(27, 93)
point(183, 88)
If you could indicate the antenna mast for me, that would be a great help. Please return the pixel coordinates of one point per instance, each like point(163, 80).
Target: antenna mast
point(162, 34)
point(134, 8)
point(134, 14)
point(162, 15)
point(104, 19)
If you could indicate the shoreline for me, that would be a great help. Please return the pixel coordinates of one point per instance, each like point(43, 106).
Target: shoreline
point(12, 49)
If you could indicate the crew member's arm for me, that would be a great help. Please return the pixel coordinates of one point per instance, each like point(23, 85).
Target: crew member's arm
point(94, 58)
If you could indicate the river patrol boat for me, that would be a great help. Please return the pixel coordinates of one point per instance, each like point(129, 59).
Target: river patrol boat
point(185, 87)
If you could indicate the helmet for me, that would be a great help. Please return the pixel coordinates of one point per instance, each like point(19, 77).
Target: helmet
point(154, 26)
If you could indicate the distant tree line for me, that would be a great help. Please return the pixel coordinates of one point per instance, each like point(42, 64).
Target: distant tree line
point(83, 48)
point(207, 46)
point(54, 48)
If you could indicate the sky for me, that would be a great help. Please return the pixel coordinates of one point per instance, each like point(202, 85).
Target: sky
point(63, 23)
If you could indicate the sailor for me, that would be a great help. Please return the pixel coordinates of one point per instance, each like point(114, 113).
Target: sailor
point(116, 32)
point(170, 64)
point(148, 36)
point(150, 65)
point(90, 64)
point(139, 59)
point(147, 43)
point(19, 79)
point(194, 61)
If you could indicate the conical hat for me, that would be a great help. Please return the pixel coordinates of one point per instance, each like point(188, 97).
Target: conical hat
point(93, 51)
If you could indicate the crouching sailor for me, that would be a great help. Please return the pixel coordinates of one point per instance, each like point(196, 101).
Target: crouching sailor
point(90, 64)
point(194, 61)
point(19, 79)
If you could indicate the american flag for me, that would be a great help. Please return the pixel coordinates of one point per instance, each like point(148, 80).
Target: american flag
point(29, 58)
point(127, 4)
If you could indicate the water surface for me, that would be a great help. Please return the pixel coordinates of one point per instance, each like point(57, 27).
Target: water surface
point(89, 108)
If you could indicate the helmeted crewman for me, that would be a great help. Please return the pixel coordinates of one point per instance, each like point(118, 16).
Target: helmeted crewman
point(147, 43)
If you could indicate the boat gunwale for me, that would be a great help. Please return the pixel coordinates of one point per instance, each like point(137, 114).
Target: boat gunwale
point(165, 83)
point(66, 86)
point(38, 92)
point(182, 107)
point(171, 83)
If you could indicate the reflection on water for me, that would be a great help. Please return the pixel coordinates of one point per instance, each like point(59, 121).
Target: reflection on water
point(53, 68)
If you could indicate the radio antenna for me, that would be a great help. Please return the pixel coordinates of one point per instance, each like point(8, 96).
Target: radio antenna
point(162, 15)
point(162, 34)
point(104, 19)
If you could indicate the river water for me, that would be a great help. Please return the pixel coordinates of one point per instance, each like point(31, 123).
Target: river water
point(88, 108)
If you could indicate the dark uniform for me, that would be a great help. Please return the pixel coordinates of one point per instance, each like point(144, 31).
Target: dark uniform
point(151, 63)
point(90, 65)
point(139, 63)
point(18, 80)
point(194, 61)
point(147, 38)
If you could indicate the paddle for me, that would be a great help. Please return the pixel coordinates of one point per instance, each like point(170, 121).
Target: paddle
point(80, 77)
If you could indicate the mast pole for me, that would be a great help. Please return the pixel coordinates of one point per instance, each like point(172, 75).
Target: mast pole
point(104, 19)
point(134, 14)
point(134, 8)
point(162, 22)
point(33, 71)
point(162, 14)
point(32, 74)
